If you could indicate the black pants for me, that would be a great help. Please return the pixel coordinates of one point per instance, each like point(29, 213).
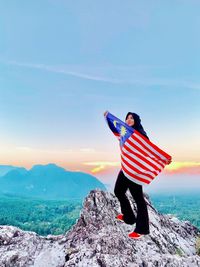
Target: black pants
point(142, 219)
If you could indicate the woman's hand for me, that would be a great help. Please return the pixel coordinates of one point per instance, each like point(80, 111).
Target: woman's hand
point(105, 113)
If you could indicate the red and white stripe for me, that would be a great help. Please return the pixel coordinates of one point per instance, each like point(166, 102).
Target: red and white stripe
point(117, 135)
point(141, 160)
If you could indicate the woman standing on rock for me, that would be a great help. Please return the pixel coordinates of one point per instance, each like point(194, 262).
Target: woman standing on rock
point(136, 190)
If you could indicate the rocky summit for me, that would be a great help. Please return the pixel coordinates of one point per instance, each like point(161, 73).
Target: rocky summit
point(99, 240)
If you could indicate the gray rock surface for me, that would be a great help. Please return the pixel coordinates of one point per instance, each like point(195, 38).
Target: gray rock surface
point(99, 240)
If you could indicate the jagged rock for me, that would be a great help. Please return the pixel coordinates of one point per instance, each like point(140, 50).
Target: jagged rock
point(97, 239)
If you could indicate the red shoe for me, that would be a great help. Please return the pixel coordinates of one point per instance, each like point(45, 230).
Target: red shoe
point(135, 235)
point(120, 217)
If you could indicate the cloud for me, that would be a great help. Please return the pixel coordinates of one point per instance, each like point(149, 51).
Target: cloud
point(64, 71)
point(183, 167)
point(24, 148)
point(101, 165)
point(186, 167)
point(134, 75)
point(40, 150)
point(87, 150)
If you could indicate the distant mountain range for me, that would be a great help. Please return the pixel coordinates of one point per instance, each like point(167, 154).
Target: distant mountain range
point(6, 168)
point(47, 182)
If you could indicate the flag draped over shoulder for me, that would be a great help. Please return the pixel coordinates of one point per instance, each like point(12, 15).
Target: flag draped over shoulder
point(141, 160)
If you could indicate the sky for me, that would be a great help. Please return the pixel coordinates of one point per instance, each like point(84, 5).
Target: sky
point(63, 63)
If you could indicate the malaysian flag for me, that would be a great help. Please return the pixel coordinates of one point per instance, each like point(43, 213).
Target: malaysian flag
point(141, 160)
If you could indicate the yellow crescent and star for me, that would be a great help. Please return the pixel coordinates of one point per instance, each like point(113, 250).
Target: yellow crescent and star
point(123, 130)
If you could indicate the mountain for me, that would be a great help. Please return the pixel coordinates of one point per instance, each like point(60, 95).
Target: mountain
point(48, 182)
point(6, 168)
point(97, 239)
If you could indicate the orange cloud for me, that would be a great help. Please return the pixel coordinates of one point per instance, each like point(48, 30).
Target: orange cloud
point(101, 165)
point(184, 167)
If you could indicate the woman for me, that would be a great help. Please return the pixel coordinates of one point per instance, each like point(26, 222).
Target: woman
point(136, 190)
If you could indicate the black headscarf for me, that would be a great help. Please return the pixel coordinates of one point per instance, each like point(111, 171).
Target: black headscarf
point(137, 123)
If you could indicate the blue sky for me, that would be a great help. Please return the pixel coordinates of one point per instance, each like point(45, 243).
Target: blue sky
point(63, 63)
